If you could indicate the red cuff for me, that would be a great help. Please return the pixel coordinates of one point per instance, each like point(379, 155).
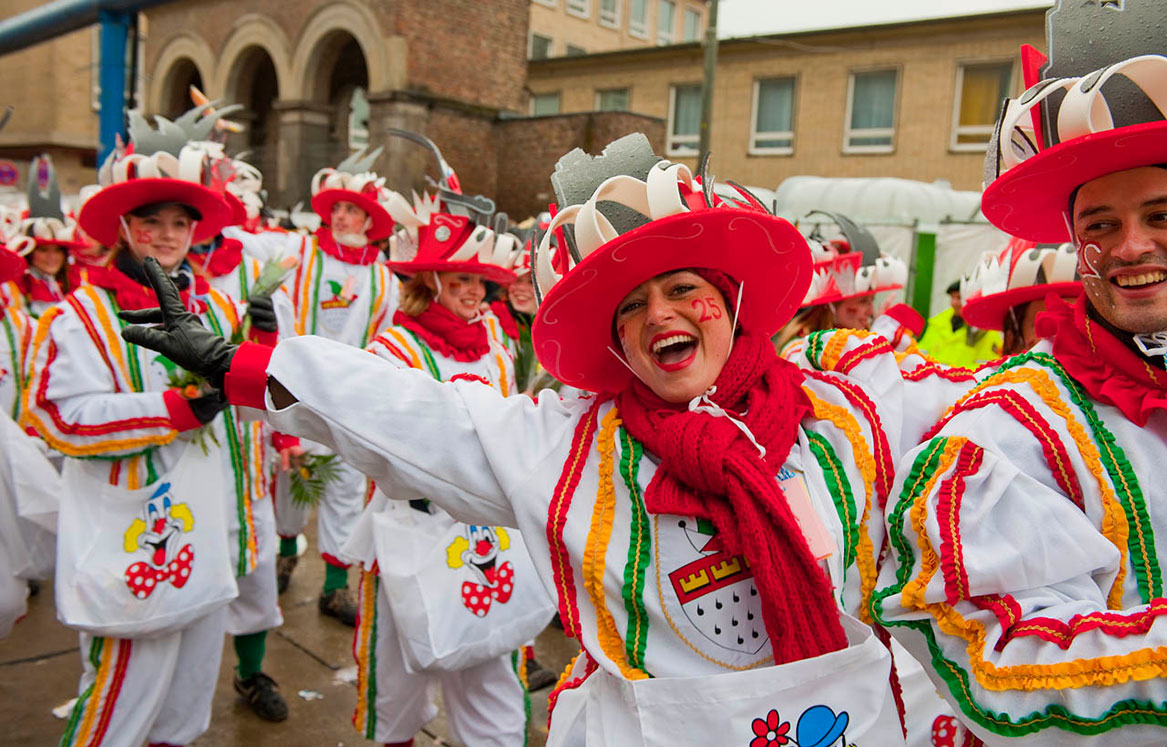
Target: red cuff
point(246, 382)
point(267, 339)
point(182, 418)
point(908, 317)
point(283, 441)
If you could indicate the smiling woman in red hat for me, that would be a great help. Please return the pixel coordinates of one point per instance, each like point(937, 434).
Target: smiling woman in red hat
point(708, 521)
point(153, 457)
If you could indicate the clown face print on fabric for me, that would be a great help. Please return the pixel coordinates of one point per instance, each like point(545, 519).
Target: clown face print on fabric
point(478, 551)
point(156, 537)
point(675, 331)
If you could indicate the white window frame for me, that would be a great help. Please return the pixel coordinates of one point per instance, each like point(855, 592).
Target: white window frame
point(549, 3)
point(627, 91)
point(669, 136)
point(690, 11)
point(639, 29)
point(612, 21)
point(558, 96)
point(755, 135)
point(848, 133)
point(986, 130)
point(664, 38)
point(578, 8)
point(531, 46)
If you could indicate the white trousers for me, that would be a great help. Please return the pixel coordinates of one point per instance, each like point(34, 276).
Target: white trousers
point(147, 689)
point(257, 607)
point(485, 704)
point(336, 514)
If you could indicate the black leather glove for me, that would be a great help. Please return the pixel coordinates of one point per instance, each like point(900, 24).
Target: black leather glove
point(206, 407)
point(181, 337)
point(263, 313)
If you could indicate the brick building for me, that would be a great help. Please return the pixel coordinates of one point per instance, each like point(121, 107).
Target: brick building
point(913, 100)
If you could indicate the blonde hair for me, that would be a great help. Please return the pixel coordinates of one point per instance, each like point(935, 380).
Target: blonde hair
point(814, 319)
point(416, 295)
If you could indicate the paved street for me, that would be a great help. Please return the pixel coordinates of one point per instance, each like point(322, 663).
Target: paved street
point(40, 667)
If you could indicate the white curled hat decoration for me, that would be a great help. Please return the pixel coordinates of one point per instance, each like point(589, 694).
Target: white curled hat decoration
point(1022, 272)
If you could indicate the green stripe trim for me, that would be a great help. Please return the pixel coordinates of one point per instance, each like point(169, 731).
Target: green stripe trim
point(79, 707)
point(814, 348)
point(526, 693)
point(238, 464)
point(840, 489)
point(318, 262)
point(1141, 534)
point(639, 552)
point(430, 363)
point(1122, 713)
point(131, 351)
point(17, 373)
point(371, 679)
point(374, 291)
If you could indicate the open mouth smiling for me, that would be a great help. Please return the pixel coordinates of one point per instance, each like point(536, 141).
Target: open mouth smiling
point(673, 350)
point(1141, 280)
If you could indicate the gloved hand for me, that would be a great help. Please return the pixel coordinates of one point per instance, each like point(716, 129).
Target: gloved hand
point(263, 313)
point(181, 337)
point(206, 407)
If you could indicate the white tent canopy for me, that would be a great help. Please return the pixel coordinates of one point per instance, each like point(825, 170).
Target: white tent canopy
point(895, 211)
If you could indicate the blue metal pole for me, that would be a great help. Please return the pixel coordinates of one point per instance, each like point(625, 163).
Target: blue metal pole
point(115, 27)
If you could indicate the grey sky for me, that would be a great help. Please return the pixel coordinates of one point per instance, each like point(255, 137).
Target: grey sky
point(754, 17)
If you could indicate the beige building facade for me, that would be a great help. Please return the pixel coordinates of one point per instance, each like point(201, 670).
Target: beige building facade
point(912, 100)
point(574, 27)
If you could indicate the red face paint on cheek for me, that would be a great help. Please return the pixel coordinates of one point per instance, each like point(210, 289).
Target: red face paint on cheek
point(143, 236)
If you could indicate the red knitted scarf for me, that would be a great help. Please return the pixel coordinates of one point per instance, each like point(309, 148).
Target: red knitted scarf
point(132, 293)
point(218, 261)
point(709, 469)
point(505, 319)
point(1101, 363)
point(364, 256)
point(447, 333)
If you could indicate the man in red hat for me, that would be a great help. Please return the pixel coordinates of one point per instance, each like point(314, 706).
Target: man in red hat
point(343, 292)
point(1023, 567)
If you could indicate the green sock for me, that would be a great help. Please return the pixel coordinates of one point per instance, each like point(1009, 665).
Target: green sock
point(335, 578)
point(288, 547)
point(250, 649)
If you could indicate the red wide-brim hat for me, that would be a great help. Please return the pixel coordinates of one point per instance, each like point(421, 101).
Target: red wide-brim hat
point(12, 265)
point(573, 327)
point(382, 224)
point(100, 216)
point(988, 312)
point(1031, 199)
point(493, 273)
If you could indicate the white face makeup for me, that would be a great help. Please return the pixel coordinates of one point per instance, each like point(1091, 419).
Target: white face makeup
point(1120, 227)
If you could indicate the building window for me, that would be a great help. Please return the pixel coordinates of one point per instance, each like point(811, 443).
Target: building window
point(543, 104)
point(871, 104)
point(666, 17)
point(581, 8)
point(773, 120)
point(638, 18)
point(612, 100)
point(692, 25)
point(573, 51)
point(684, 119)
point(610, 13)
point(540, 47)
point(980, 89)
point(549, 3)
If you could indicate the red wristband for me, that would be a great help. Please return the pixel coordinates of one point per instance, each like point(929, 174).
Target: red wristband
point(246, 382)
point(281, 441)
point(267, 339)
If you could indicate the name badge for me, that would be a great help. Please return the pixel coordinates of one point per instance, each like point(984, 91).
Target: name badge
point(818, 539)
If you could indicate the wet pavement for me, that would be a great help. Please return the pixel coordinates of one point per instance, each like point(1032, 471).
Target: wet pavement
point(40, 666)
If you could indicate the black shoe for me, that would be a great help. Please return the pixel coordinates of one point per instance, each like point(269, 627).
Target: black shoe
point(339, 604)
point(263, 695)
point(538, 678)
point(34, 587)
point(285, 564)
